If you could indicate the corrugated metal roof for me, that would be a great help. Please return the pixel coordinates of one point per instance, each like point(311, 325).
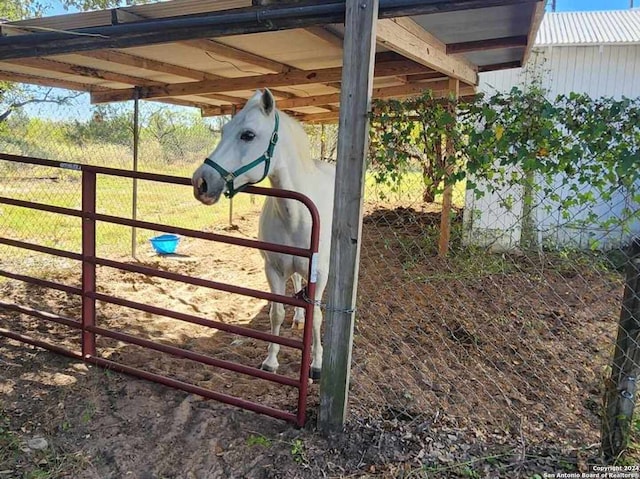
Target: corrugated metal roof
point(589, 28)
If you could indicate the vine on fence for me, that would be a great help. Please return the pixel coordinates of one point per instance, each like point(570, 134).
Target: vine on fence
point(587, 147)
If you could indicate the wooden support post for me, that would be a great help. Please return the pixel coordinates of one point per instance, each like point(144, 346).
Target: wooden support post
point(620, 390)
point(447, 195)
point(134, 200)
point(357, 81)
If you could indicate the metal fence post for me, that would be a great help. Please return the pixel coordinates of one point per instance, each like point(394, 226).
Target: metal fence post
point(620, 391)
point(134, 198)
point(88, 262)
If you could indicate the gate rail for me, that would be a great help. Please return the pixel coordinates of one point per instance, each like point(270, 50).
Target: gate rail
point(87, 324)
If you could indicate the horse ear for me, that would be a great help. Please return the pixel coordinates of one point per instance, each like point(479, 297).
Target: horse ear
point(268, 103)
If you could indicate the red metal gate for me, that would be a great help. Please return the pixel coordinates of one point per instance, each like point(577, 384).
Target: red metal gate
point(87, 324)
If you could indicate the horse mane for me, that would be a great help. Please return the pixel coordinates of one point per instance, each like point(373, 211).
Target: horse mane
point(301, 139)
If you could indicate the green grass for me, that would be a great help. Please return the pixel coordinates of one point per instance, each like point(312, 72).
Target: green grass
point(157, 202)
point(173, 205)
point(408, 190)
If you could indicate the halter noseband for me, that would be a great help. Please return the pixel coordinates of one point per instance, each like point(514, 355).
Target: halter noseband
point(230, 176)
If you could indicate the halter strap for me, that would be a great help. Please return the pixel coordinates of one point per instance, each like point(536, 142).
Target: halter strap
point(230, 176)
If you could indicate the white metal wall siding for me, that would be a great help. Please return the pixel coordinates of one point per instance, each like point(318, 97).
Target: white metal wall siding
point(612, 71)
point(599, 71)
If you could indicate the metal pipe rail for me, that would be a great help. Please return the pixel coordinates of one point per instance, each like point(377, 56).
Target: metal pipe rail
point(88, 291)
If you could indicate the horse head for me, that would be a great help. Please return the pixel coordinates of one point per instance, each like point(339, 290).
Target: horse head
point(244, 154)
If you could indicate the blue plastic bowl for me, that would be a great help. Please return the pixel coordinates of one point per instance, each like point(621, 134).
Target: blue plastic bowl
point(165, 244)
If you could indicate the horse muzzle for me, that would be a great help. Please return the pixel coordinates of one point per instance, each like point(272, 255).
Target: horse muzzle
point(206, 192)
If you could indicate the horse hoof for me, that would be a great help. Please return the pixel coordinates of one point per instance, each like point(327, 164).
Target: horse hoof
point(314, 374)
point(264, 367)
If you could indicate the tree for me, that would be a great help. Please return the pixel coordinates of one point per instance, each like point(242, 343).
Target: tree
point(14, 96)
point(409, 135)
point(559, 153)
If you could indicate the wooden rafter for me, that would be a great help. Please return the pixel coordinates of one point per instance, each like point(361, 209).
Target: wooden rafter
point(249, 83)
point(500, 66)
point(121, 58)
point(47, 64)
point(408, 39)
point(46, 81)
point(233, 53)
point(321, 101)
point(536, 20)
point(332, 116)
point(490, 44)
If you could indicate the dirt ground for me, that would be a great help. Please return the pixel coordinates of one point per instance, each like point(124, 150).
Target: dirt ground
point(474, 366)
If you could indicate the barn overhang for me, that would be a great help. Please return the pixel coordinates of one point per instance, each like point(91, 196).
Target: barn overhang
point(213, 54)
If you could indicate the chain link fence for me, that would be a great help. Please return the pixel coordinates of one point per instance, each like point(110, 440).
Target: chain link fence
point(503, 342)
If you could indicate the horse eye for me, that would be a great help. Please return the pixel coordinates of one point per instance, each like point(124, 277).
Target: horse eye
point(247, 135)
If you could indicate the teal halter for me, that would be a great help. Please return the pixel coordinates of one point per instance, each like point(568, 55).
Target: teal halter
point(229, 176)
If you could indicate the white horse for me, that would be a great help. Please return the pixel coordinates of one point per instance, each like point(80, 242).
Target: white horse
point(260, 142)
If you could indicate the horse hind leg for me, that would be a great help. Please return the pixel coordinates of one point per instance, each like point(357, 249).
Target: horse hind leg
point(298, 315)
point(277, 285)
point(317, 350)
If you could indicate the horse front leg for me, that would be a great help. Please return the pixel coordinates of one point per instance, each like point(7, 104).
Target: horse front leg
point(277, 285)
point(298, 315)
point(316, 349)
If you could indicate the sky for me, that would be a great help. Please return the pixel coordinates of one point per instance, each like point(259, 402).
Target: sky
point(580, 5)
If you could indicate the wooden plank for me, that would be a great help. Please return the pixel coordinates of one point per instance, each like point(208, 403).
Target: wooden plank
point(357, 82)
point(621, 387)
point(292, 78)
point(447, 194)
point(536, 20)
point(121, 58)
point(499, 66)
point(489, 44)
point(233, 53)
point(399, 91)
point(439, 89)
point(46, 81)
point(136, 61)
point(79, 70)
point(424, 49)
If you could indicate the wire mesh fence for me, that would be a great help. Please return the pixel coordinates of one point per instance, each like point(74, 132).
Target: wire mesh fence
point(504, 341)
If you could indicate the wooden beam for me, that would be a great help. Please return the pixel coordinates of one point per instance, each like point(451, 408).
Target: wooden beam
point(408, 89)
point(424, 49)
point(427, 76)
point(536, 20)
point(447, 194)
point(325, 117)
point(439, 88)
point(489, 44)
point(302, 77)
point(500, 66)
point(346, 233)
point(71, 69)
point(46, 81)
point(233, 53)
point(121, 58)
